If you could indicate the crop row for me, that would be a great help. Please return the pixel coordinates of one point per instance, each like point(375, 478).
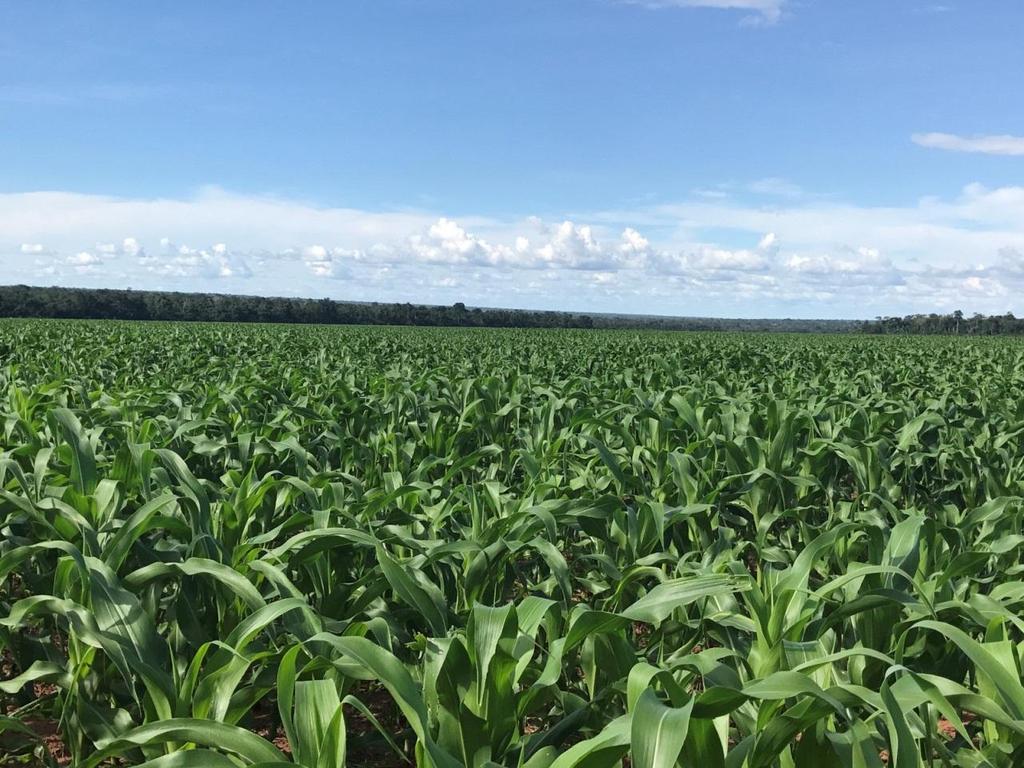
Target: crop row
point(259, 546)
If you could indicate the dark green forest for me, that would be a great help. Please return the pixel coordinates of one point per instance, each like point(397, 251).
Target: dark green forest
point(952, 324)
point(112, 304)
point(93, 303)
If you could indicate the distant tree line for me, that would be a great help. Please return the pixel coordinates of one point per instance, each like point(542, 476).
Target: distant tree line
point(126, 304)
point(954, 323)
point(114, 304)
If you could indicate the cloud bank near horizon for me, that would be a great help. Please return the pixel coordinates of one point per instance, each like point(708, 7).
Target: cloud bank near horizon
point(723, 253)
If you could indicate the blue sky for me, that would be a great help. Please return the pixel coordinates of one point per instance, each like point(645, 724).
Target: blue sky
point(713, 157)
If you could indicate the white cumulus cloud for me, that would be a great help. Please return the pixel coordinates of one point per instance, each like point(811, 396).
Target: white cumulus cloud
point(573, 246)
point(217, 261)
point(83, 261)
point(854, 261)
point(987, 145)
point(130, 247)
point(765, 10)
point(447, 242)
point(330, 262)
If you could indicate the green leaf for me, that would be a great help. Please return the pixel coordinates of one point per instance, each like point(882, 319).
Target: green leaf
point(604, 750)
point(658, 604)
point(225, 738)
point(429, 606)
point(658, 732)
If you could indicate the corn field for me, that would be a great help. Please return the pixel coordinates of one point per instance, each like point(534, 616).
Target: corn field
point(280, 546)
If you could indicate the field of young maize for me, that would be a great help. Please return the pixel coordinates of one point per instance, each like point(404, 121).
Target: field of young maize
point(270, 546)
